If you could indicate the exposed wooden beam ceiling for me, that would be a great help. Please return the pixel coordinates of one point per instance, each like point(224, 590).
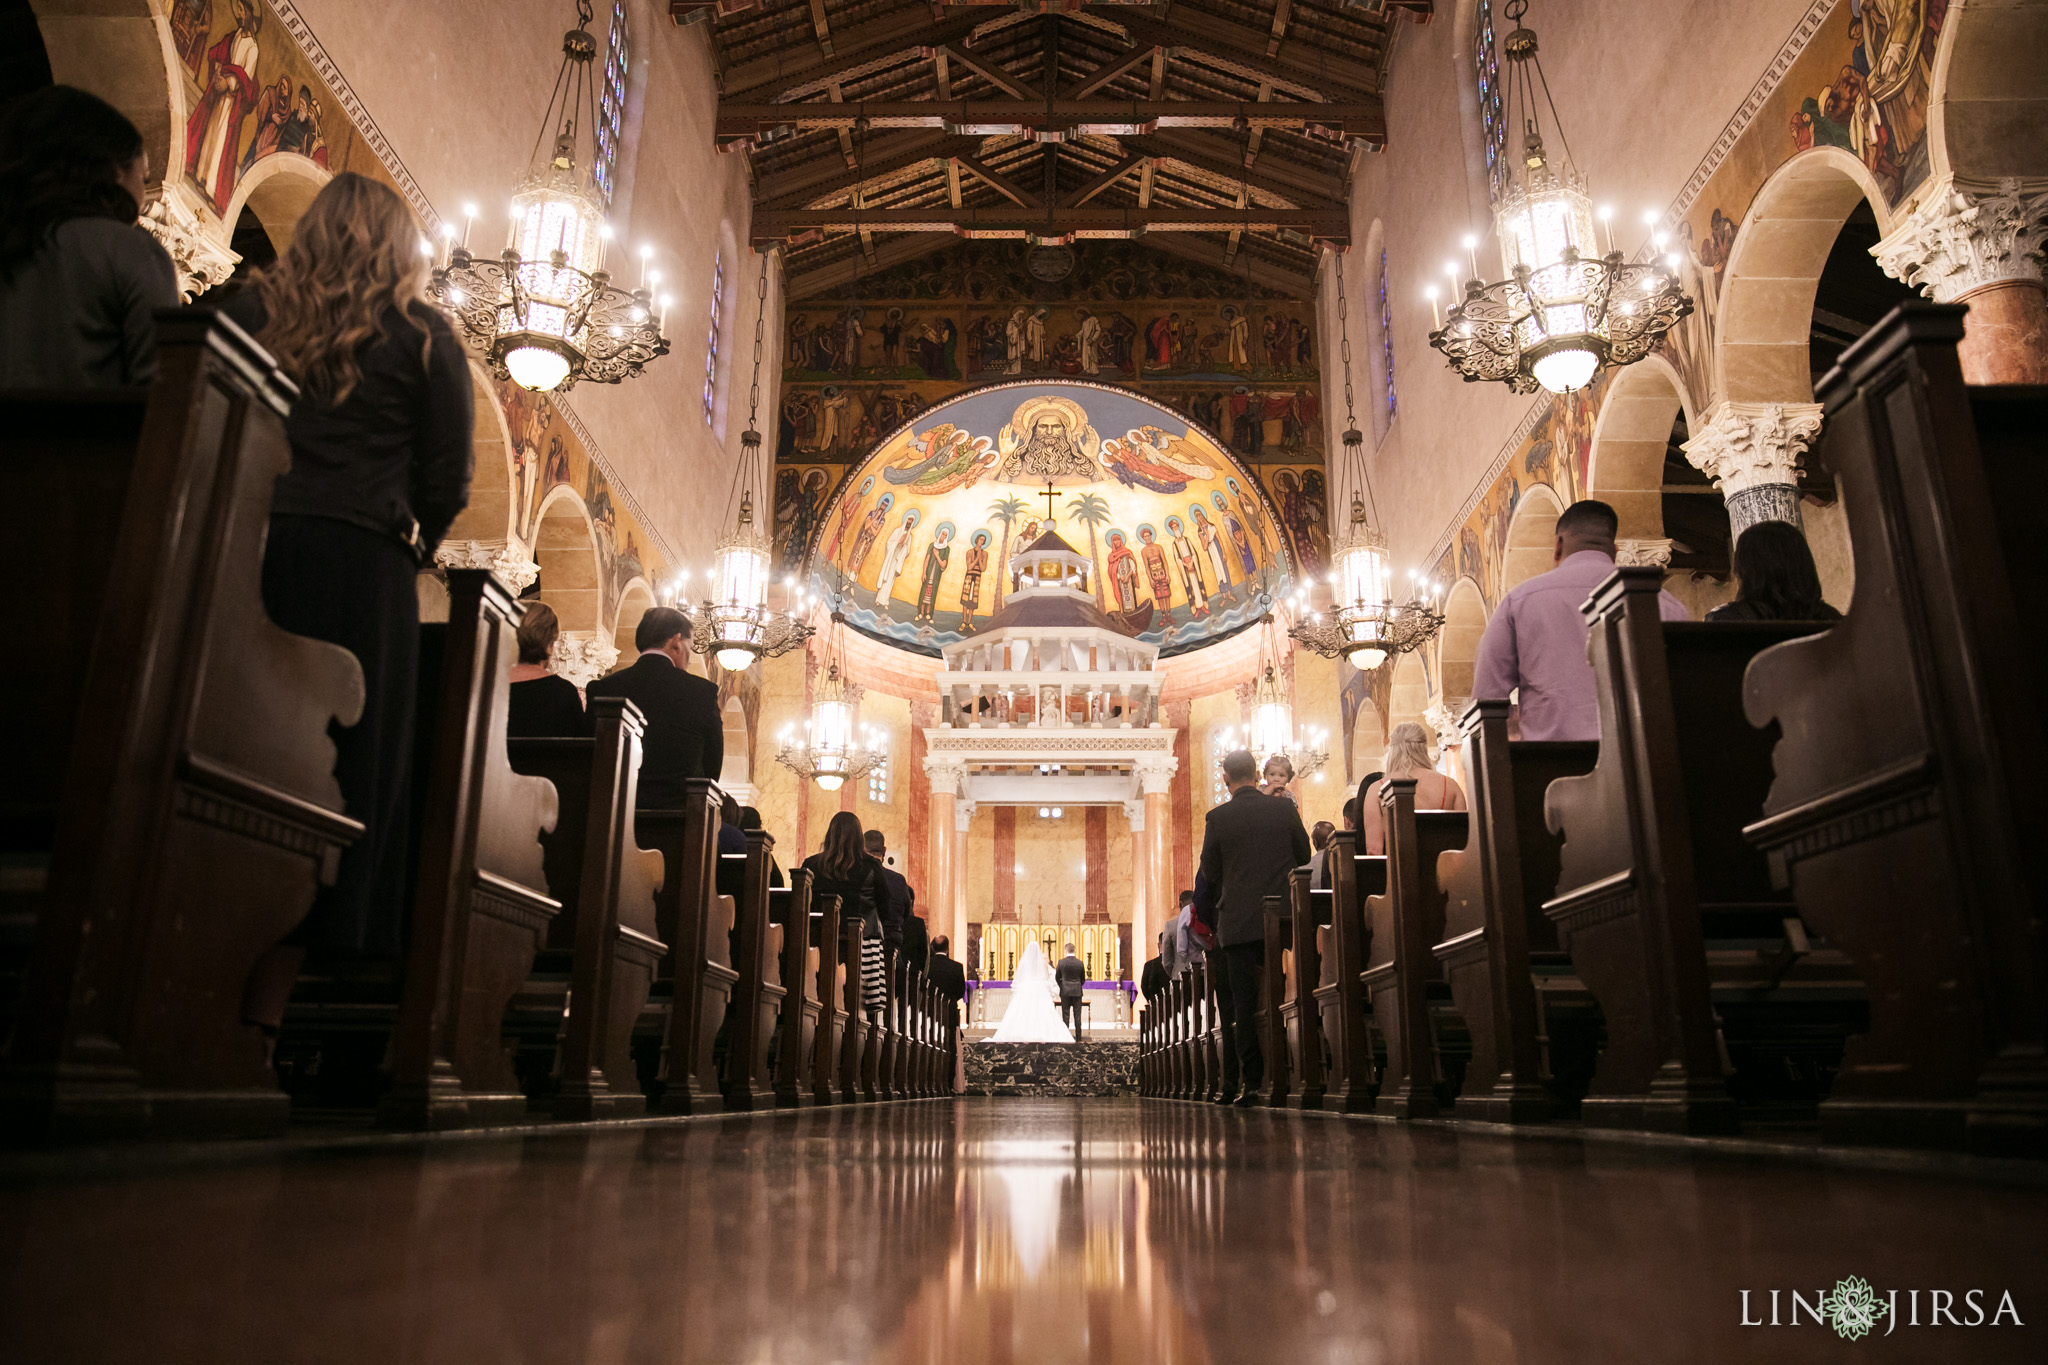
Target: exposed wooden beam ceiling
point(1018, 221)
point(988, 118)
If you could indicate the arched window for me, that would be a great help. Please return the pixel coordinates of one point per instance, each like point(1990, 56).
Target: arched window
point(1387, 334)
point(711, 349)
point(878, 783)
point(611, 104)
point(1493, 117)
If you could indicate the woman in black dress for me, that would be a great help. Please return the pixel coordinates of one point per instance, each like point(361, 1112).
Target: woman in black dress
point(1775, 578)
point(381, 460)
point(544, 705)
point(843, 868)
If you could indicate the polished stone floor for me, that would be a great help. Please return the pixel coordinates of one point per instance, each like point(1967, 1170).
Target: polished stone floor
point(1039, 1232)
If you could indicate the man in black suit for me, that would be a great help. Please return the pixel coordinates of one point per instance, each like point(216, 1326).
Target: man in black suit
point(685, 734)
point(951, 982)
point(896, 914)
point(1153, 978)
point(1250, 844)
point(1071, 975)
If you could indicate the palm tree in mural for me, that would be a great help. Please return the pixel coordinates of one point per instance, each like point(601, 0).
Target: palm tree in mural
point(1005, 510)
point(1091, 509)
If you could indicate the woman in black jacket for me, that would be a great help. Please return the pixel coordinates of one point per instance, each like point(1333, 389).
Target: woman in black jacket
point(381, 459)
point(1775, 578)
point(543, 705)
point(844, 868)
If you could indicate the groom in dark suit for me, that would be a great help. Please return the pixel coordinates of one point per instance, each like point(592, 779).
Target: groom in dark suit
point(1071, 976)
point(685, 731)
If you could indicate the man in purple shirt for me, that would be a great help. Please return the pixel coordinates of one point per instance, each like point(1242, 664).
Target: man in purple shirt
point(1536, 641)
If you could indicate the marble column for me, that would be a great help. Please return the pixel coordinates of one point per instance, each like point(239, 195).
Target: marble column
point(942, 844)
point(1141, 889)
point(963, 816)
point(1751, 452)
point(1980, 244)
point(1155, 781)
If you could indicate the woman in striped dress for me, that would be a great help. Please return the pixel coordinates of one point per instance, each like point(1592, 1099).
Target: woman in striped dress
point(843, 868)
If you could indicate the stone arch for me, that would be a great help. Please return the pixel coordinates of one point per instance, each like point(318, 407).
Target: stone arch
point(1766, 307)
point(1458, 645)
point(635, 601)
point(1368, 741)
point(1988, 103)
point(493, 488)
point(1532, 537)
point(737, 775)
point(1630, 437)
point(571, 572)
point(1410, 696)
point(121, 51)
point(277, 190)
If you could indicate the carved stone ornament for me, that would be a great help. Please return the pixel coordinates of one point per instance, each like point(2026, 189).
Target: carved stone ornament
point(944, 775)
point(583, 656)
point(202, 262)
point(1443, 719)
point(1643, 552)
point(1751, 451)
point(1962, 239)
point(1155, 773)
point(505, 558)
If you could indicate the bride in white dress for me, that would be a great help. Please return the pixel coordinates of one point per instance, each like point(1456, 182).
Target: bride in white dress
point(1033, 1015)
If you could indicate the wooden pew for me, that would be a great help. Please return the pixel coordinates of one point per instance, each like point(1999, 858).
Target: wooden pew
point(1178, 1025)
point(1911, 770)
point(1278, 926)
point(1340, 991)
point(1495, 932)
point(1209, 1010)
point(606, 885)
point(1401, 973)
point(696, 922)
point(1653, 864)
point(880, 1041)
point(480, 913)
point(1309, 910)
point(170, 807)
point(904, 980)
point(853, 1047)
point(757, 999)
point(831, 994)
point(797, 1027)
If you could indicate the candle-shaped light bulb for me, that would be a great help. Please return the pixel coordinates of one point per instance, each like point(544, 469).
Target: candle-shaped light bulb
point(1435, 321)
point(468, 222)
point(1607, 224)
point(1472, 251)
point(645, 252)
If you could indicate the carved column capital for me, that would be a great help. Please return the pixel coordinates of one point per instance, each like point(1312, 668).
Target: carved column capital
point(1134, 812)
point(944, 775)
point(583, 656)
point(1751, 451)
point(1155, 775)
point(1643, 552)
point(174, 221)
point(1443, 719)
point(1964, 237)
point(963, 816)
point(507, 559)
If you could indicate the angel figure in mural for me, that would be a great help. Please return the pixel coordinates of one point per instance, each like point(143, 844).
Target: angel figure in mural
point(935, 557)
point(897, 556)
point(1123, 572)
point(1089, 340)
point(1128, 462)
point(870, 531)
point(1189, 557)
point(848, 510)
point(1047, 438)
point(213, 134)
point(1219, 554)
point(1154, 555)
point(970, 581)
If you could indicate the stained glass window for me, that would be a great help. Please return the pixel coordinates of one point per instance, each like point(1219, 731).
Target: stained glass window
point(1387, 333)
point(611, 104)
point(878, 783)
point(711, 349)
point(1486, 62)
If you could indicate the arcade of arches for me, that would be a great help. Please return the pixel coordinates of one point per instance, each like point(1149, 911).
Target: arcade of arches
point(1051, 377)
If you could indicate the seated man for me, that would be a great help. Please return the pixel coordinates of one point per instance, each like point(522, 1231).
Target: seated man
point(1071, 976)
point(685, 733)
point(1536, 641)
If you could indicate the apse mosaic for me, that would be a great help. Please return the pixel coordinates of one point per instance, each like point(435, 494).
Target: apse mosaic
point(911, 544)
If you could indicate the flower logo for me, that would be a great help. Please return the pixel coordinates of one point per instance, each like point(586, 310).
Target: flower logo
point(1853, 1308)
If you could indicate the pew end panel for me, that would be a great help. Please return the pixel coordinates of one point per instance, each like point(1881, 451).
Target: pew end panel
point(1340, 993)
point(696, 923)
point(1401, 972)
point(1912, 765)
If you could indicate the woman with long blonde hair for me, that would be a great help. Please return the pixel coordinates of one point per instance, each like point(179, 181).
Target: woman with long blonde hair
point(380, 437)
point(1407, 756)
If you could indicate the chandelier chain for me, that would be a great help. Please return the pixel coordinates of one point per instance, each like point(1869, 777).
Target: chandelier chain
point(760, 322)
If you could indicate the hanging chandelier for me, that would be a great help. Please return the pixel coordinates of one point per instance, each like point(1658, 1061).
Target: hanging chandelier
point(1362, 624)
point(545, 312)
point(734, 626)
point(832, 749)
point(1271, 733)
point(1565, 310)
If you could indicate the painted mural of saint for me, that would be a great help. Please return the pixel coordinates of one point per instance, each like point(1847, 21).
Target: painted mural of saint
point(935, 557)
point(1123, 572)
point(1090, 342)
point(847, 513)
point(273, 112)
point(1219, 556)
point(1251, 514)
point(1160, 335)
point(191, 21)
point(213, 134)
point(970, 582)
point(870, 530)
point(1243, 542)
point(1189, 556)
point(1154, 555)
point(898, 555)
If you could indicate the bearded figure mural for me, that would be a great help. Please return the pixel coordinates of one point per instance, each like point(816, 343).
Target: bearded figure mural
point(1047, 438)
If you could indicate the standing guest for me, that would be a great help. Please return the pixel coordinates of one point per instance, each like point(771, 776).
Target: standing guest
point(896, 913)
point(544, 705)
point(1152, 980)
point(1319, 840)
point(1407, 756)
point(380, 438)
point(951, 984)
point(685, 733)
point(1279, 774)
point(1536, 641)
point(1775, 578)
point(1182, 949)
point(1249, 845)
point(79, 279)
point(1071, 975)
point(750, 819)
point(1319, 866)
point(842, 867)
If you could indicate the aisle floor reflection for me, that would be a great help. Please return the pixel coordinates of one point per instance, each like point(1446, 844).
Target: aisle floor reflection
point(1037, 1232)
